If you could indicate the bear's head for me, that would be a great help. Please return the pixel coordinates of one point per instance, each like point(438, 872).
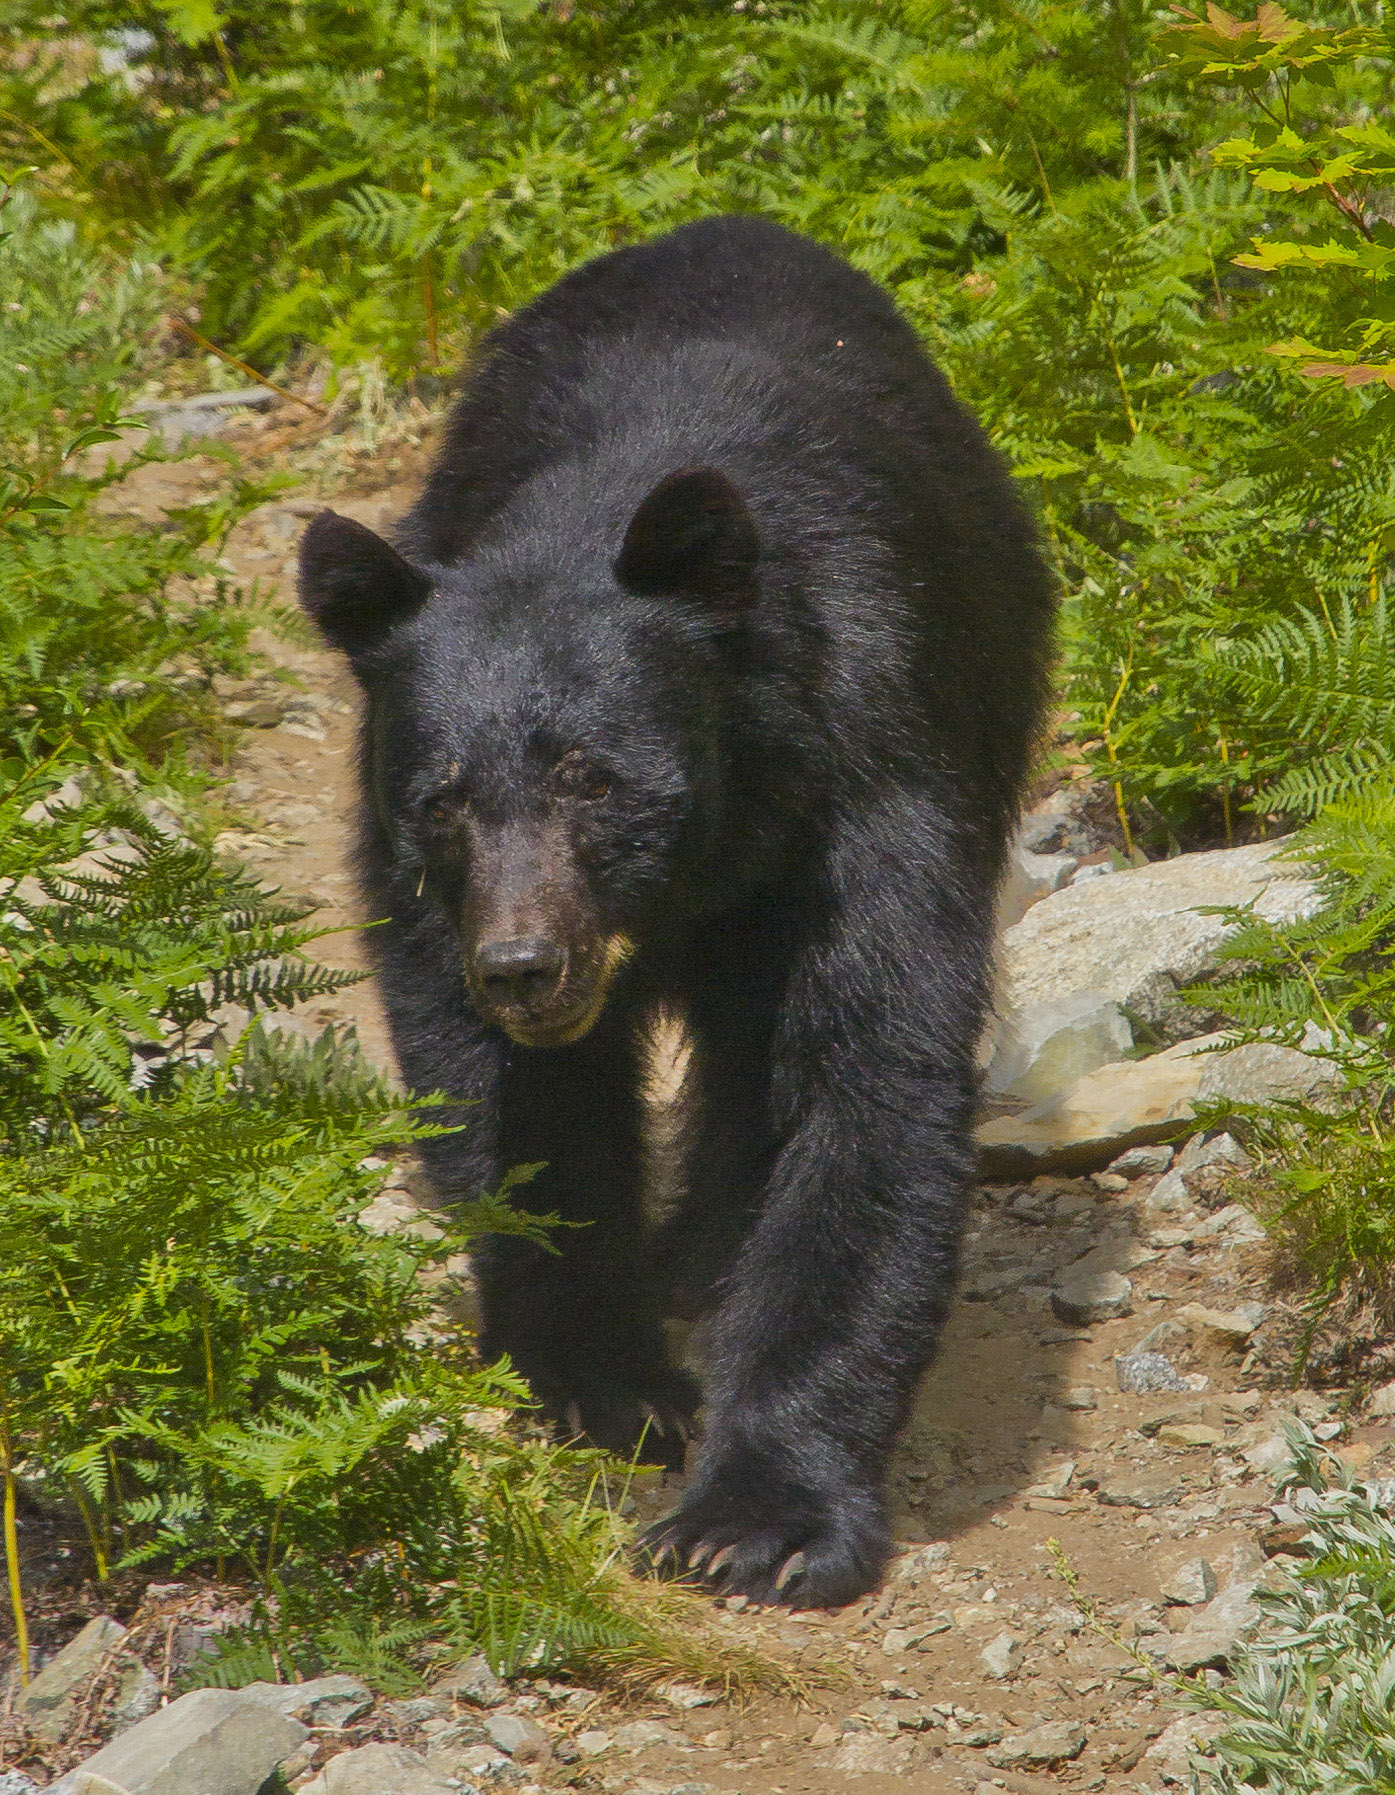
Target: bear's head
point(548, 730)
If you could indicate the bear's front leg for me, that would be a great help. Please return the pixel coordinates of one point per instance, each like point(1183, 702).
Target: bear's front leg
point(837, 1299)
point(575, 1316)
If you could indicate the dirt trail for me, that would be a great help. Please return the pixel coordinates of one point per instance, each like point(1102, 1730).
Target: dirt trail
point(1020, 1436)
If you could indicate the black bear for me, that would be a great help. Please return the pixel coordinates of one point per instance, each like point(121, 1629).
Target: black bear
point(703, 678)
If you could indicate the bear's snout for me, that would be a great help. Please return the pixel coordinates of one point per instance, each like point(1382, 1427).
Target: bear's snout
point(524, 972)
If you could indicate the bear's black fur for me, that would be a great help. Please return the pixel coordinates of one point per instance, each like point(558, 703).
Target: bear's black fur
point(705, 680)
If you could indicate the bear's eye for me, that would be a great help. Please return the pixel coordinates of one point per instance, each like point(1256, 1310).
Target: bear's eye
point(444, 809)
point(576, 777)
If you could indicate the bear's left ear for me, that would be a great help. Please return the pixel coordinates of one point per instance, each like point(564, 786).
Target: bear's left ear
point(356, 586)
point(693, 537)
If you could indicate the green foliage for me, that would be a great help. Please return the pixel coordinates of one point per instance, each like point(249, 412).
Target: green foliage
point(1325, 984)
point(1310, 1707)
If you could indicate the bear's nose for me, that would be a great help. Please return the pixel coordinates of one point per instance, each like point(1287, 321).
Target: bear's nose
point(524, 970)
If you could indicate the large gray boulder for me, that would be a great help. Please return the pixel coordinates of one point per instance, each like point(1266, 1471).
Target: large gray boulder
point(1137, 935)
point(211, 1742)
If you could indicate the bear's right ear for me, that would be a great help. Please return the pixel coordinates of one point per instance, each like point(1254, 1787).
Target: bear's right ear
point(356, 586)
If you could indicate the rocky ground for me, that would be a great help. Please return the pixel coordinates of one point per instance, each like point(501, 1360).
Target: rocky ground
point(1107, 1407)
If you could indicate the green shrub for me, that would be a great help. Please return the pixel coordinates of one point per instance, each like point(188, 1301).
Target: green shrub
point(1310, 1706)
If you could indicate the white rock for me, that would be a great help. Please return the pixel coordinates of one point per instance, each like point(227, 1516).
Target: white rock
point(215, 1741)
point(1169, 1195)
point(1082, 1298)
point(1268, 1454)
point(1170, 1753)
point(1235, 1225)
point(1001, 1657)
point(593, 1742)
point(1044, 1048)
point(523, 1739)
point(1215, 1630)
point(1190, 1585)
point(685, 1696)
point(867, 1754)
point(1141, 1162)
point(376, 1770)
point(920, 1560)
point(1137, 935)
point(1383, 1401)
point(1053, 1742)
point(1265, 1073)
point(323, 1701)
point(1222, 1151)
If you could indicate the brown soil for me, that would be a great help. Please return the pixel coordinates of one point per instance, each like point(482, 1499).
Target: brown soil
point(1013, 1397)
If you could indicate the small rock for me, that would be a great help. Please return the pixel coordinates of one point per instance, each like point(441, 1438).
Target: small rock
point(1156, 1489)
point(824, 1735)
point(257, 713)
point(922, 1559)
point(684, 1696)
point(1056, 1481)
point(1110, 1182)
point(1382, 1402)
point(1268, 1454)
point(471, 1681)
point(1288, 1537)
point(639, 1735)
point(1141, 1373)
point(1158, 1338)
point(593, 1742)
point(1169, 1194)
point(214, 1741)
point(1222, 1152)
point(523, 1739)
point(1001, 1657)
point(1171, 1752)
point(1191, 1585)
point(15, 1782)
point(1141, 1162)
point(1055, 1742)
point(865, 1754)
point(137, 1698)
point(1187, 1435)
point(905, 1639)
point(1079, 1399)
point(1215, 1631)
point(50, 1701)
point(1235, 1225)
point(1233, 1326)
point(1092, 1296)
point(323, 1701)
point(415, 1711)
point(374, 1770)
